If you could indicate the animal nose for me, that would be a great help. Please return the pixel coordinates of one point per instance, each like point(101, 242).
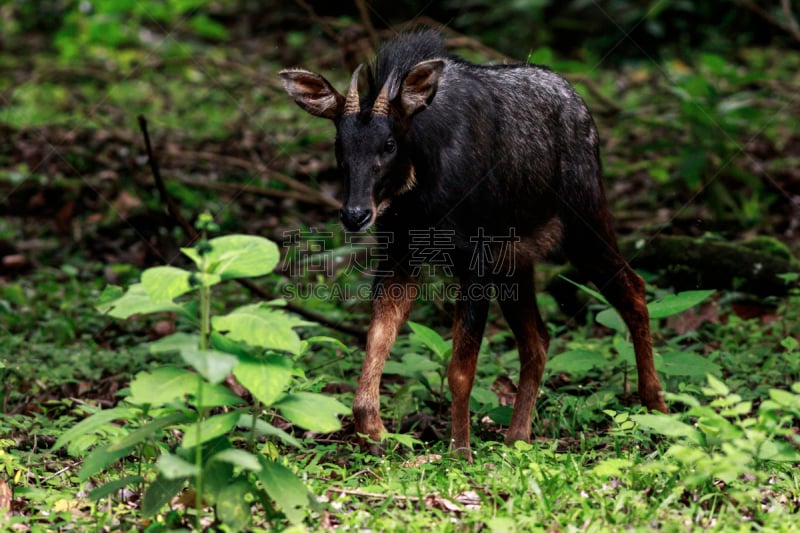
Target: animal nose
point(355, 219)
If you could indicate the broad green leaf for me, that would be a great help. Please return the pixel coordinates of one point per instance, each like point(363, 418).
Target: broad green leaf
point(403, 439)
point(429, 338)
point(613, 467)
point(321, 339)
point(174, 343)
point(611, 319)
point(214, 366)
point(95, 422)
point(263, 428)
point(238, 256)
point(412, 366)
point(522, 446)
point(501, 415)
point(159, 493)
point(267, 378)
point(205, 26)
point(165, 283)
point(687, 364)
point(715, 387)
point(148, 430)
point(625, 351)
point(109, 294)
point(314, 412)
point(483, 397)
point(210, 428)
point(113, 487)
point(587, 290)
point(283, 486)
point(778, 451)
point(100, 458)
point(136, 301)
point(496, 524)
point(676, 303)
point(790, 343)
point(685, 454)
point(241, 458)
point(233, 509)
point(172, 466)
point(785, 398)
point(682, 397)
point(668, 426)
point(667, 306)
point(718, 428)
point(217, 396)
point(260, 325)
point(576, 362)
point(216, 475)
point(162, 385)
point(225, 344)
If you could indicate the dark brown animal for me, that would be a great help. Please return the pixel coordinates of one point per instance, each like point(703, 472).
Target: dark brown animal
point(474, 152)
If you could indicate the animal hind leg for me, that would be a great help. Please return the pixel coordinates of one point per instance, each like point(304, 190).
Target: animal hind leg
point(591, 246)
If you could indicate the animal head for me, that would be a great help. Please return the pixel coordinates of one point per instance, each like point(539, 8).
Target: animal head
point(372, 148)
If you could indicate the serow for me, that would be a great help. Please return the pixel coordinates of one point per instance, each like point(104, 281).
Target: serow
point(499, 165)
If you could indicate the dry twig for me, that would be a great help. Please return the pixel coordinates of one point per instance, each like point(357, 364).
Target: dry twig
point(366, 20)
point(252, 287)
point(326, 28)
point(301, 192)
point(790, 26)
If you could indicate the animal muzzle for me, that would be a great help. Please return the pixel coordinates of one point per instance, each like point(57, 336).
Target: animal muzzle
point(356, 218)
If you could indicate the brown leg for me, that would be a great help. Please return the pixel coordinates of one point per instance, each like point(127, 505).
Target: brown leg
point(592, 247)
point(468, 325)
point(626, 293)
point(522, 315)
point(391, 305)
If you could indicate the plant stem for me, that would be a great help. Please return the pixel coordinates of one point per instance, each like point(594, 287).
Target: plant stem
point(205, 327)
point(256, 410)
point(205, 316)
point(198, 457)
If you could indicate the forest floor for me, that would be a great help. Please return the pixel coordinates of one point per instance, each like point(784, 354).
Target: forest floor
point(704, 147)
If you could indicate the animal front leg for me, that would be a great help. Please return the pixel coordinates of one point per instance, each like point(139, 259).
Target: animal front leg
point(522, 314)
point(468, 326)
point(391, 304)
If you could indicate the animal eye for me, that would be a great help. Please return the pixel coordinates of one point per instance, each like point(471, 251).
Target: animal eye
point(389, 146)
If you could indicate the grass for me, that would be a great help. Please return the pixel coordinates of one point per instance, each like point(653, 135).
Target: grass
point(542, 488)
point(597, 464)
point(591, 468)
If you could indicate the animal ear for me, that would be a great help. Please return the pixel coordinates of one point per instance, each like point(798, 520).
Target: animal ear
point(313, 93)
point(419, 85)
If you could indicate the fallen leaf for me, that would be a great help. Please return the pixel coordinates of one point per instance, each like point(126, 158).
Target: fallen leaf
point(65, 505)
point(505, 389)
point(438, 502)
point(5, 495)
point(691, 320)
point(469, 499)
point(419, 461)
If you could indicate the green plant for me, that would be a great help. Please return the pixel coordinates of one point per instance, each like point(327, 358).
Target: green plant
point(725, 440)
point(199, 432)
point(426, 374)
point(98, 28)
point(674, 361)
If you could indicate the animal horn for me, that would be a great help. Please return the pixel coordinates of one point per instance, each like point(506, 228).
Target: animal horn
point(351, 104)
point(381, 106)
